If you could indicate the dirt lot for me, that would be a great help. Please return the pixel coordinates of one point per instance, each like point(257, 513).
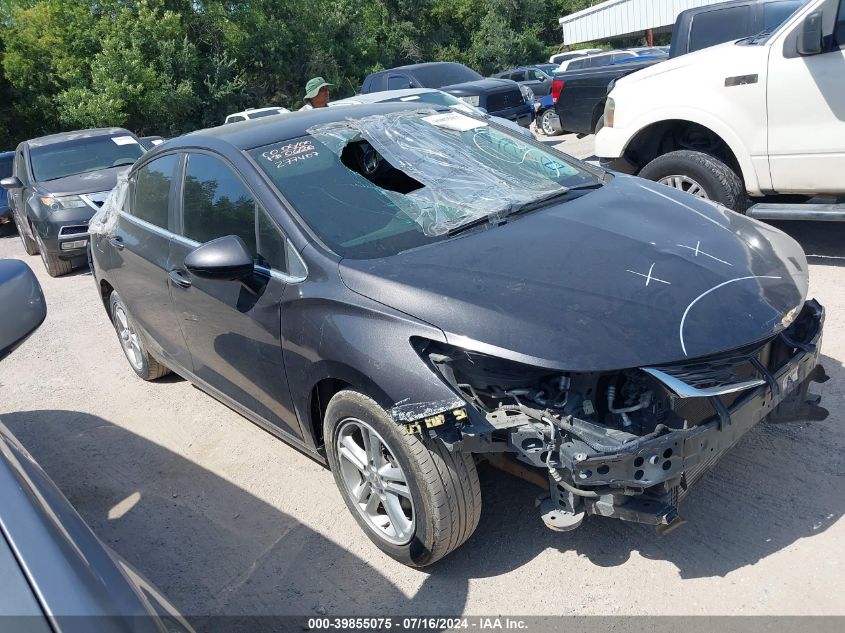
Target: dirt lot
point(227, 519)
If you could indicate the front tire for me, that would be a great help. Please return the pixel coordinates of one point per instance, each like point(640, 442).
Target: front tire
point(29, 245)
point(415, 500)
point(134, 347)
point(56, 266)
point(699, 174)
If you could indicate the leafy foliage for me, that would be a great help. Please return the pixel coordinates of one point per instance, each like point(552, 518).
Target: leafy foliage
point(171, 66)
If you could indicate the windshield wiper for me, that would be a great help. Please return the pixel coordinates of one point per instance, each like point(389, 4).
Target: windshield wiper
point(543, 201)
point(490, 218)
point(500, 217)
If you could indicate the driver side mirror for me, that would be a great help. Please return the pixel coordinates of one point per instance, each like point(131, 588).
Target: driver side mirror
point(811, 38)
point(22, 305)
point(224, 259)
point(11, 182)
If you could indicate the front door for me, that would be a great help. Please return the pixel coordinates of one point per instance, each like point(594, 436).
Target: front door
point(806, 104)
point(233, 328)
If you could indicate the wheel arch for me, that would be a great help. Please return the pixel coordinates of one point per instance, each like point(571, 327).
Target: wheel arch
point(666, 135)
point(333, 378)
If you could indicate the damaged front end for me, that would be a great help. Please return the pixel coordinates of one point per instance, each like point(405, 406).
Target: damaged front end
point(628, 443)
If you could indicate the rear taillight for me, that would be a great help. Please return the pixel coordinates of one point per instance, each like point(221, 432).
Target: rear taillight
point(557, 88)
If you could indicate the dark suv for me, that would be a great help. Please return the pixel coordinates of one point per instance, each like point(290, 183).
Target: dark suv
point(6, 160)
point(500, 97)
point(398, 292)
point(58, 183)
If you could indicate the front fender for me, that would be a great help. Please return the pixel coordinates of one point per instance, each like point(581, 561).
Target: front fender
point(359, 341)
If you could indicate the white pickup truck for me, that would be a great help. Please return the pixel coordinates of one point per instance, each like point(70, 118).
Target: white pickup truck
point(762, 117)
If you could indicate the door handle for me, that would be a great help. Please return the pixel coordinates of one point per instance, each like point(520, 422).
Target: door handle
point(117, 242)
point(179, 278)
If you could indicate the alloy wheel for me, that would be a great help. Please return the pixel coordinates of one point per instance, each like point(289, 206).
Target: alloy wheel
point(685, 184)
point(375, 482)
point(546, 123)
point(128, 337)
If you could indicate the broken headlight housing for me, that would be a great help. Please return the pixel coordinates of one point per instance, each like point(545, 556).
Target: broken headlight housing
point(500, 389)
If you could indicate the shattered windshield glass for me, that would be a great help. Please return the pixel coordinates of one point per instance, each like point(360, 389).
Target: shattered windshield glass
point(378, 185)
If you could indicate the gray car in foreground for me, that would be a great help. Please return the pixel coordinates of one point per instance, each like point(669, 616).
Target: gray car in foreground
point(399, 291)
point(58, 183)
point(58, 577)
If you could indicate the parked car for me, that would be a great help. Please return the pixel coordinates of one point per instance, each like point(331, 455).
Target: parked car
point(427, 96)
point(149, 142)
point(538, 77)
point(499, 97)
point(559, 58)
point(596, 60)
point(580, 94)
point(57, 575)
point(254, 113)
point(6, 161)
point(58, 183)
point(397, 292)
point(755, 138)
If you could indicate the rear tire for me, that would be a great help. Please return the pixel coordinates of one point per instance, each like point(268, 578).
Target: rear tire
point(699, 174)
point(56, 266)
point(134, 347)
point(441, 498)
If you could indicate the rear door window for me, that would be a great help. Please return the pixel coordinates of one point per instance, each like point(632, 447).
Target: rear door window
point(152, 191)
point(722, 25)
point(518, 76)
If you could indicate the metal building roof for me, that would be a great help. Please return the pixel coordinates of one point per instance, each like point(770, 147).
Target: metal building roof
point(621, 17)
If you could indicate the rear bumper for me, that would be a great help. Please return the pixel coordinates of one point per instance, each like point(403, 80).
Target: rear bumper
point(522, 115)
point(655, 474)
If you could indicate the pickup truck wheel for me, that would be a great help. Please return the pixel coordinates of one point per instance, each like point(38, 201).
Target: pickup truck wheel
point(56, 266)
point(700, 175)
point(549, 123)
point(133, 345)
point(415, 500)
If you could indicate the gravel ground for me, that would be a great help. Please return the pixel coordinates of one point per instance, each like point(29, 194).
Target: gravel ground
point(225, 519)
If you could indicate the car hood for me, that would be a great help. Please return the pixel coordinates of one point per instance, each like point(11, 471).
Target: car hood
point(481, 86)
point(630, 275)
point(708, 61)
point(89, 182)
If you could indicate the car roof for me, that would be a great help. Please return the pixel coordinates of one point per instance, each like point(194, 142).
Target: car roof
point(75, 135)
point(245, 135)
point(383, 95)
point(419, 66)
point(254, 110)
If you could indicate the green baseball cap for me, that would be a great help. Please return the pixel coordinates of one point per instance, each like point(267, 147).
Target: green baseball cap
point(313, 87)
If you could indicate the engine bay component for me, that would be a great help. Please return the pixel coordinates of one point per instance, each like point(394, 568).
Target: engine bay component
point(626, 444)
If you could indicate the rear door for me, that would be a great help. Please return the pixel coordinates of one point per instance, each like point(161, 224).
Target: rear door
point(139, 257)
point(233, 328)
point(806, 106)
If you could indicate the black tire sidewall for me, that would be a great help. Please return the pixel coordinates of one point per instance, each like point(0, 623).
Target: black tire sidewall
point(692, 164)
point(349, 404)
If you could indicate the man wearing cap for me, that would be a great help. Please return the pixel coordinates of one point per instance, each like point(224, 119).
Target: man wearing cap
point(316, 93)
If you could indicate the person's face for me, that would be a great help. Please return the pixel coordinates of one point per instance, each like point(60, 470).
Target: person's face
point(322, 97)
